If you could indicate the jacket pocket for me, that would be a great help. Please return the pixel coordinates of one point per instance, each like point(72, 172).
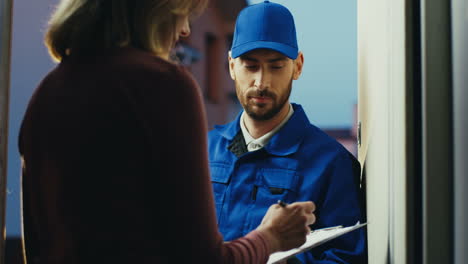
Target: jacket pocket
point(271, 185)
point(220, 176)
point(276, 184)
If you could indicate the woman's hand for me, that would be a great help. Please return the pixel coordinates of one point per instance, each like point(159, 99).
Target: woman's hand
point(286, 227)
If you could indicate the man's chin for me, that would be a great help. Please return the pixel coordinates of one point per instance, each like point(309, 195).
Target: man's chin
point(258, 109)
point(260, 115)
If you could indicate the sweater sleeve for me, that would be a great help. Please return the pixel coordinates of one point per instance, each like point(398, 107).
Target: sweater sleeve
point(253, 248)
point(192, 219)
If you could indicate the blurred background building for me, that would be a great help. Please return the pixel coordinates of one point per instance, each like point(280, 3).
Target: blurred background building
point(208, 46)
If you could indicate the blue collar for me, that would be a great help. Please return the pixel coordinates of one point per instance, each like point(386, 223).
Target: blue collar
point(285, 142)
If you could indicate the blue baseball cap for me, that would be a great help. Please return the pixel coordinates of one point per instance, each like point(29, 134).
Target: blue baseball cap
point(265, 26)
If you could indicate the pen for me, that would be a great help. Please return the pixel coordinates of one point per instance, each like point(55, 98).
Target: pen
point(282, 204)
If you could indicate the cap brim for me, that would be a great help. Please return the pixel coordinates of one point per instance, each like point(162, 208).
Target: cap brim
point(288, 51)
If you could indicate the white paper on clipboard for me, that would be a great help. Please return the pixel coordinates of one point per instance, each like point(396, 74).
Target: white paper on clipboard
point(315, 238)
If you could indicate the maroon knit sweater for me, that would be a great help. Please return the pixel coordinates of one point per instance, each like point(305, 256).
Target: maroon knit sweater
point(115, 167)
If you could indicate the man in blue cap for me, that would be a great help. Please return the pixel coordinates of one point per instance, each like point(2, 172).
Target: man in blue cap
point(271, 152)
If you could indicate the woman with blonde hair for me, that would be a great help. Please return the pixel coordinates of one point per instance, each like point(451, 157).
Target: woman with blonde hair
point(113, 147)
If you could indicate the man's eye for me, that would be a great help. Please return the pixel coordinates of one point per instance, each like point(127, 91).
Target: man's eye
point(251, 67)
point(276, 67)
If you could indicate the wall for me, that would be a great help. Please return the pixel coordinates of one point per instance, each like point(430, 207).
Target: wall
point(381, 111)
point(460, 108)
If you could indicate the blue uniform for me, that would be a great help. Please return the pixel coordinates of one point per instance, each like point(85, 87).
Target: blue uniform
point(299, 163)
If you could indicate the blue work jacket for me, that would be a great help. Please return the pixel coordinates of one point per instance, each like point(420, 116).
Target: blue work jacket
point(299, 163)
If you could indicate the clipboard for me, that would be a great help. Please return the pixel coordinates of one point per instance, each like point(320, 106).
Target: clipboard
point(313, 239)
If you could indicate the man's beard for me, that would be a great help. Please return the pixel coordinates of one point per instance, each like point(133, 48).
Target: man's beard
point(277, 103)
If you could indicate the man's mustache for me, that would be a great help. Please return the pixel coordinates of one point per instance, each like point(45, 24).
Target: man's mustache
point(261, 93)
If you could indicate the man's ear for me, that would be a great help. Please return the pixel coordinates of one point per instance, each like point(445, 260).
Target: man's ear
point(298, 64)
point(231, 66)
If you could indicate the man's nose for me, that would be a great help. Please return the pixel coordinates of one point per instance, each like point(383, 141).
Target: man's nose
point(262, 80)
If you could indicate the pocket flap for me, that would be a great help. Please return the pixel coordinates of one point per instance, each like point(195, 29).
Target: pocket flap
point(282, 179)
point(220, 173)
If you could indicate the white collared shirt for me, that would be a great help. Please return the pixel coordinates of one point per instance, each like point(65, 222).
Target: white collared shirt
point(255, 144)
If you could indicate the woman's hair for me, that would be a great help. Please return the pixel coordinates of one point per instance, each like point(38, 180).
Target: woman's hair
point(94, 26)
